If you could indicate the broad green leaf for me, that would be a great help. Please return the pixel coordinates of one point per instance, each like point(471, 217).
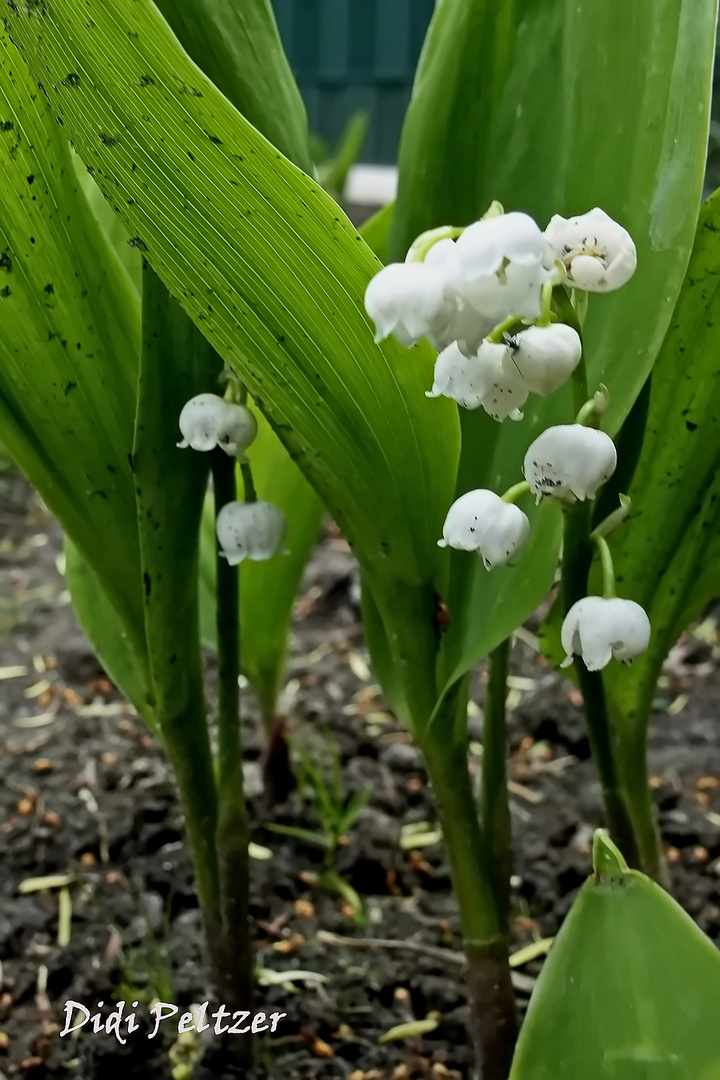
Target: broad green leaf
point(555, 108)
point(69, 336)
point(240, 50)
point(115, 232)
point(274, 274)
point(630, 990)
point(238, 46)
point(666, 552)
point(267, 590)
point(126, 666)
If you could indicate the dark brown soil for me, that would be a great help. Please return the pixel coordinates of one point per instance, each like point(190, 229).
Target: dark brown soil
point(85, 791)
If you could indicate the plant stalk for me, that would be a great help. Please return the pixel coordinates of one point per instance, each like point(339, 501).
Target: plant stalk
point(493, 1021)
point(577, 558)
point(494, 801)
point(232, 957)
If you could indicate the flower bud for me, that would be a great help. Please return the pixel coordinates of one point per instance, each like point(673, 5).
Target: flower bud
point(478, 380)
point(598, 254)
point(250, 531)
point(601, 628)
point(409, 300)
point(207, 421)
point(544, 356)
point(569, 460)
point(480, 521)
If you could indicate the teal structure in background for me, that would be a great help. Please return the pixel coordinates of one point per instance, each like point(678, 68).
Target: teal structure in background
point(355, 54)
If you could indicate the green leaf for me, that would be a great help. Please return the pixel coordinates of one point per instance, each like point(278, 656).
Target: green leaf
point(666, 552)
point(241, 51)
point(630, 990)
point(267, 590)
point(238, 46)
point(555, 108)
point(274, 274)
point(69, 346)
point(125, 665)
point(176, 363)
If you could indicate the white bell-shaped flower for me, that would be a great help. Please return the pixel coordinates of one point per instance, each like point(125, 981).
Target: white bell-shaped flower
point(480, 521)
point(410, 301)
point(501, 261)
point(569, 460)
point(598, 254)
point(465, 325)
point(600, 629)
point(250, 531)
point(544, 356)
point(482, 380)
point(207, 421)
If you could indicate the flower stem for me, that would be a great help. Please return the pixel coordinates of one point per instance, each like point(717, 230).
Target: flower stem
point(493, 1017)
point(516, 492)
point(495, 806)
point(228, 630)
point(233, 959)
point(577, 557)
point(608, 569)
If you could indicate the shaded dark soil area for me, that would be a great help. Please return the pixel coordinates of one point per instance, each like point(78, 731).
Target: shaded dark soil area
point(85, 794)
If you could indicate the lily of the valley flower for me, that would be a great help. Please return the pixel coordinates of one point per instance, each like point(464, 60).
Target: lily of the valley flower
point(568, 461)
point(207, 421)
point(482, 380)
point(252, 530)
point(501, 263)
point(410, 301)
point(598, 254)
point(481, 521)
point(544, 356)
point(599, 628)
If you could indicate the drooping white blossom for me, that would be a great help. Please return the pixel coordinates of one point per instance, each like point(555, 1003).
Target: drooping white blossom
point(569, 460)
point(480, 521)
point(481, 380)
point(544, 356)
point(250, 530)
point(502, 271)
point(409, 300)
point(600, 629)
point(598, 254)
point(207, 421)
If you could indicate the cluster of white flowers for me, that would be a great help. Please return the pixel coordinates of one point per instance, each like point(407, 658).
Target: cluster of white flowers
point(483, 297)
point(245, 530)
point(460, 293)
